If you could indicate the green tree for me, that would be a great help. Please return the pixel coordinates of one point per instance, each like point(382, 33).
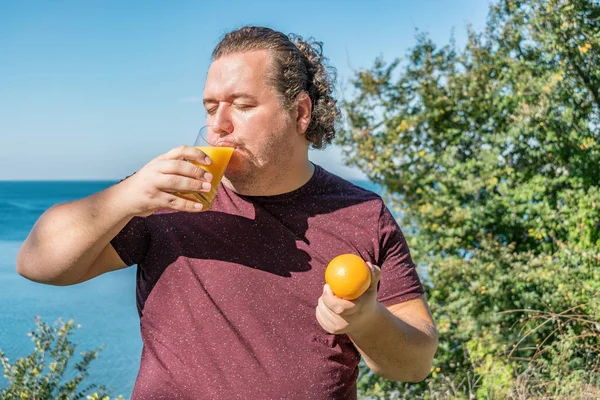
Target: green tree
point(43, 374)
point(490, 157)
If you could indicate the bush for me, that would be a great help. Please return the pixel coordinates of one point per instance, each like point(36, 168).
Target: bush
point(490, 156)
point(42, 374)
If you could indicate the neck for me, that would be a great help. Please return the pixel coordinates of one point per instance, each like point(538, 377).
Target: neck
point(279, 181)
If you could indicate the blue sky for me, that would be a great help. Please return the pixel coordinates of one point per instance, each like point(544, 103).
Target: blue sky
point(95, 89)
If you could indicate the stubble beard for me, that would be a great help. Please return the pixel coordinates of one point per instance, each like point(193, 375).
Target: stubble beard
point(260, 174)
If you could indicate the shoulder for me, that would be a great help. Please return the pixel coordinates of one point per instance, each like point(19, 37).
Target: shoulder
point(339, 197)
point(330, 183)
point(165, 217)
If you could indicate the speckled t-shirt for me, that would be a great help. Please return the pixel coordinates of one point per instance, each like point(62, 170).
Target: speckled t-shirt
point(227, 297)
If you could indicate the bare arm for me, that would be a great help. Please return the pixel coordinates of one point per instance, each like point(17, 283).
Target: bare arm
point(400, 341)
point(70, 242)
point(68, 238)
point(397, 343)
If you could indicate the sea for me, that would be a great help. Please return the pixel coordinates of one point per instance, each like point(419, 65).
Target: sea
point(103, 307)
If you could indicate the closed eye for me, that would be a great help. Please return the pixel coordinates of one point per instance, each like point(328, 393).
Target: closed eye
point(243, 107)
point(211, 106)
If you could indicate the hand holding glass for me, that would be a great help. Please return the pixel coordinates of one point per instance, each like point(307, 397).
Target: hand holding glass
point(207, 142)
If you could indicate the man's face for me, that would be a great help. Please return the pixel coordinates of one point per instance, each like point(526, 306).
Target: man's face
point(242, 104)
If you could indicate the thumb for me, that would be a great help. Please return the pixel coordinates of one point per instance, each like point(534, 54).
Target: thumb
point(375, 276)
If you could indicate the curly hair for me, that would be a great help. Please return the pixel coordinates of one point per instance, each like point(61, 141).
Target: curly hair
point(299, 66)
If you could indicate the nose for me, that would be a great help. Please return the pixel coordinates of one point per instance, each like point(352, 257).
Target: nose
point(222, 120)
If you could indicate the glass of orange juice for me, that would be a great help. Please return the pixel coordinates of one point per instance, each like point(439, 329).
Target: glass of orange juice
point(210, 142)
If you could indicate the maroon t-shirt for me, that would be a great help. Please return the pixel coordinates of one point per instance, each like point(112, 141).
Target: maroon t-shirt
point(227, 297)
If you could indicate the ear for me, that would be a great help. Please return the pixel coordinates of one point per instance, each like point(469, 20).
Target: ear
point(304, 112)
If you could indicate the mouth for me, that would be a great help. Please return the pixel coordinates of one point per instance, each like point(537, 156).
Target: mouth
point(226, 143)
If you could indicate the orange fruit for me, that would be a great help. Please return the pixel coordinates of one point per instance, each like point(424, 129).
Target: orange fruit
point(348, 275)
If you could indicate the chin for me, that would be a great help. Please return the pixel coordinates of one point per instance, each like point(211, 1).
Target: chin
point(234, 168)
point(242, 179)
point(236, 173)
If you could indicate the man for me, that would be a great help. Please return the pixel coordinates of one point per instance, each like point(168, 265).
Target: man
point(231, 301)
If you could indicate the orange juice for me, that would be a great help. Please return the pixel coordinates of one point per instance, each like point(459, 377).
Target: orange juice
point(220, 157)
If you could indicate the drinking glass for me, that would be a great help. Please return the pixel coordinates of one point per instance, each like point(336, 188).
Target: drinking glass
point(209, 141)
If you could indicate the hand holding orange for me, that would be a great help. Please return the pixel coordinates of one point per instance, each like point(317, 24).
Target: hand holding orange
point(348, 275)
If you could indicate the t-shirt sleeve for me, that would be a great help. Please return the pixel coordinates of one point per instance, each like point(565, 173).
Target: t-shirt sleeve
point(133, 242)
point(399, 279)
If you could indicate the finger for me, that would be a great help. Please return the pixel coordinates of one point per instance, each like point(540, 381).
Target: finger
point(325, 316)
point(178, 183)
point(323, 321)
point(180, 204)
point(325, 309)
point(328, 297)
point(320, 318)
point(189, 153)
point(184, 168)
point(334, 304)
